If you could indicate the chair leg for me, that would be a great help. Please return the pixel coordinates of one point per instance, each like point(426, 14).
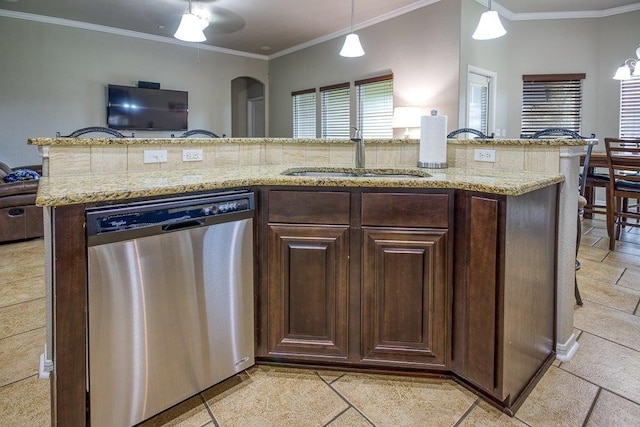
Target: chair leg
point(578, 239)
point(611, 208)
point(577, 294)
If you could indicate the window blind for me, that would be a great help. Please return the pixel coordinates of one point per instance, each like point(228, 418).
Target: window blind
point(630, 109)
point(551, 100)
point(304, 113)
point(335, 111)
point(375, 106)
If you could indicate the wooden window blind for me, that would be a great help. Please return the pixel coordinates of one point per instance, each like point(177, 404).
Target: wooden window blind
point(551, 100)
point(335, 111)
point(630, 109)
point(375, 106)
point(304, 113)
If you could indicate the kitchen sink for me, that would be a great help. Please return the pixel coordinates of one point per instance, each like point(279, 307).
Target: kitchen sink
point(321, 172)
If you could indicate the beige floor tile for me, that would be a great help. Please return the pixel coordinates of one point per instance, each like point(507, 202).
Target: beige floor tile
point(622, 259)
point(621, 246)
point(613, 410)
point(610, 324)
point(19, 355)
point(22, 317)
point(190, 413)
point(18, 291)
point(595, 254)
point(276, 397)
point(599, 271)
point(26, 403)
point(614, 296)
point(484, 414)
point(630, 279)
point(19, 265)
point(34, 246)
point(405, 401)
point(607, 364)
point(596, 231)
point(560, 398)
point(330, 376)
point(591, 240)
point(350, 418)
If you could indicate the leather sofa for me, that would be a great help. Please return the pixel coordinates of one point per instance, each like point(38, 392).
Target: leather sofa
point(20, 218)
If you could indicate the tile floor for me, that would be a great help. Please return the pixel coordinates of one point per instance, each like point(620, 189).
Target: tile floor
point(599, 387)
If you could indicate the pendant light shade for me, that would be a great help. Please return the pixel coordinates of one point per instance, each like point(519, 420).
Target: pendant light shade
point(490, 26)
point(630, 69)
point(352, 47)
point(191, 27)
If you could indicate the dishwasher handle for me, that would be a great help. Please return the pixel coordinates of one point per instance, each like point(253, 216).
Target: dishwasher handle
point(182, 225)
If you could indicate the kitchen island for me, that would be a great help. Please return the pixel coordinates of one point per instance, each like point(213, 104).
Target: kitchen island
point(490, 243)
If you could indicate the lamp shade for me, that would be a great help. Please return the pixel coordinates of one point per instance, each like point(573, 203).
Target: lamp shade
point(406, 117)
point(489, 26)
point(190, 28)
point(352, 47)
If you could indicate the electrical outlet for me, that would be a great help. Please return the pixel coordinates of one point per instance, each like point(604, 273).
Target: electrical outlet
point(155, 156)
point(484, 155)
point(192, 155)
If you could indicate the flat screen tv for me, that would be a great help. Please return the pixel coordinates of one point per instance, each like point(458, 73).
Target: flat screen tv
point(136, 108)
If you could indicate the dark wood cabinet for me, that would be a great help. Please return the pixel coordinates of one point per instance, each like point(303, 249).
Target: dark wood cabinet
point(504, 292)
point(404, 278)
point(308, 290)
point(356, 277)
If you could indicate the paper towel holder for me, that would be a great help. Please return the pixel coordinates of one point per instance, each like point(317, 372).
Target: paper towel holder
point(433, 165)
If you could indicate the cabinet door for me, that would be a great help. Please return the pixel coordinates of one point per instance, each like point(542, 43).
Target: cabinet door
point(404, 285)
point(308, 291)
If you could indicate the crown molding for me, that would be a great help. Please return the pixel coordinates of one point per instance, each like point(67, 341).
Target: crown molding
point(125, 33)
point(513, 16)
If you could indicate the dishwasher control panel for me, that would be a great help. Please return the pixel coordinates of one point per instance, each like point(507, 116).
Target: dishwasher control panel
point(166, 213)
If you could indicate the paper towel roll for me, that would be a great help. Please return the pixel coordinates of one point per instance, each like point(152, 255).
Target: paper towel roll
point(433, 141)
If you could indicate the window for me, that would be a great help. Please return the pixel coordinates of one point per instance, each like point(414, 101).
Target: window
point(551, 100)
point(375, 106)
point(304, 113)
point(630, 109)
point(335, 111)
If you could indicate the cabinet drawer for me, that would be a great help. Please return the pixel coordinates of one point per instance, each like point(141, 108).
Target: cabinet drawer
point(309, 207)
point(405, 210)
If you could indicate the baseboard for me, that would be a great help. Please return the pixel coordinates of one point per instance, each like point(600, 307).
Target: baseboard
point(566, 351)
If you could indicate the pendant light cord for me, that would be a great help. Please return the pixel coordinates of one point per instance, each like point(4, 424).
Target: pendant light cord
point(352, 9)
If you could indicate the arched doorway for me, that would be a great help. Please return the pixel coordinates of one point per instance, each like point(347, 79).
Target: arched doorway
point(247, 108)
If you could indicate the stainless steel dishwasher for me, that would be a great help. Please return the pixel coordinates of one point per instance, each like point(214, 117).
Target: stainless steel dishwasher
point(170, 302)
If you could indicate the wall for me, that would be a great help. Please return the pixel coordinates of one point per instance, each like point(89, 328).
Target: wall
point(421, 48)
point(54, 79)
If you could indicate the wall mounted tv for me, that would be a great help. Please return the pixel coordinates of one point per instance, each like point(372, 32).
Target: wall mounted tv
point(137, 108)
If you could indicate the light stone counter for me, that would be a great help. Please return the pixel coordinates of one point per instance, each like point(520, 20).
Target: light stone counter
point(95, 188)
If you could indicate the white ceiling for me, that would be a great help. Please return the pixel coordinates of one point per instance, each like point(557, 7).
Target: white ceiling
point(272, 27)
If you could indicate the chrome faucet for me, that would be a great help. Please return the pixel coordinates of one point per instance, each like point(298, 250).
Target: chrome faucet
point(359, 140)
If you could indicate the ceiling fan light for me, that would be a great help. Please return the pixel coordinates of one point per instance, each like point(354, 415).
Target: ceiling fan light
point(352, 47)
point(489, 27)
point(190, 28)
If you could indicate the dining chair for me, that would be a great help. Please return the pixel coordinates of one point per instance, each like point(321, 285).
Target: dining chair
point(623, 158)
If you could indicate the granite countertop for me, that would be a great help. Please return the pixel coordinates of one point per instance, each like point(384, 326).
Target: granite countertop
point(205, 141)
point(95, 188)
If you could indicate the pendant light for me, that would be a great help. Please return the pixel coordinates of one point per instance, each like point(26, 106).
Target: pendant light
point(489, 26)
point(191, 27)
point(352, 47)
point(630, 69)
